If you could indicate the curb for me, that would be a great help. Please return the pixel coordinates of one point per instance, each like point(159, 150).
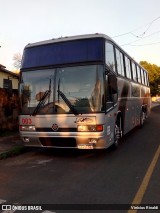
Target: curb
point(16, 150)
point(12, 150)
point(11, 137)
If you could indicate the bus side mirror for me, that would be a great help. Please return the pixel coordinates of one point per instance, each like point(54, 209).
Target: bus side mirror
point(111, 88)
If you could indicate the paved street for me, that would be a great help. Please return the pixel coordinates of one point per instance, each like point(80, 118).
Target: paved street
point(46, 176)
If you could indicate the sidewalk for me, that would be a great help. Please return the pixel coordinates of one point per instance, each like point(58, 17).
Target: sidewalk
point(10, 145)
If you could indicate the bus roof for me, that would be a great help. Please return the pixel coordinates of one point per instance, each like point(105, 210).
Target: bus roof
point(78, 37)
point(69, 38)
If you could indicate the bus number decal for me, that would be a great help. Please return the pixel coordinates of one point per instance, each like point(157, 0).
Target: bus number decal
point(26, 121)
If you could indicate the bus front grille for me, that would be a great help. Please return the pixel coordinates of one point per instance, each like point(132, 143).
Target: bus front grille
point(58, 142)
point(59, 130)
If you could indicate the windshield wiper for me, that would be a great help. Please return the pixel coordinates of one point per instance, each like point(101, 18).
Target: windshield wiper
point(42, 101)
point(67, 102)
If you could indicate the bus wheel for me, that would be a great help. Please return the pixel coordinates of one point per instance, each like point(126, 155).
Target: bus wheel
point(146, 113)
point(117, 133)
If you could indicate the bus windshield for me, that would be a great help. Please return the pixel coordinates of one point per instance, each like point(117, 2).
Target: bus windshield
point(74, 90)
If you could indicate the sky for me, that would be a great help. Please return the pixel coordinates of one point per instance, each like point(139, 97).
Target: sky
point(134, 25)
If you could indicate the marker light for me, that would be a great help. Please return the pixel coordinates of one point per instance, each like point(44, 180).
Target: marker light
point(93, 140)
point(99, 128)
point(27, 128)
point(90, 128)
point(26, 140)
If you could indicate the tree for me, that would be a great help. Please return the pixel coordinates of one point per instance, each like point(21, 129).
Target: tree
point(17, 58)
point(154, 76)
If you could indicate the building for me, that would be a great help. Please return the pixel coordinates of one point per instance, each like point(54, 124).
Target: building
point(8, 79)
point(9, 100)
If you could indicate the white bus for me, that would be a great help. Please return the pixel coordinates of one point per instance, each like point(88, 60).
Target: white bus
point(80, 92)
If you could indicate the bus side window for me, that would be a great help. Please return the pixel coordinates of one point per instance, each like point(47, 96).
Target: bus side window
point(145, 78)
point(142, 76)
point(139, 74)
point(111, 90)
point(128, 67)
point(109, 55)
point(120, 65)
point(134, 71)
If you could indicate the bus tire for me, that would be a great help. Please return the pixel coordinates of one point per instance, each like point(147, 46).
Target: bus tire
point(118, 132)
point(142, 118)
point(146, 112)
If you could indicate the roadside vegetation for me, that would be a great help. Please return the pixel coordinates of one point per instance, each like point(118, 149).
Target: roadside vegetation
point(154, 77)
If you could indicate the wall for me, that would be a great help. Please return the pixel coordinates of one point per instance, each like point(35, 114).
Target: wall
point(4, 75)
point(9, 109)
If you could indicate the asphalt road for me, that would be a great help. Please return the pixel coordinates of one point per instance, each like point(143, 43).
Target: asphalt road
point(131, 174)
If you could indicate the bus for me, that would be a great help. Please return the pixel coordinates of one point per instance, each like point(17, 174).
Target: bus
point(81, 92)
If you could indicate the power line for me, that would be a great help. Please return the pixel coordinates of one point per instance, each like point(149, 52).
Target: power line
point(145, 44)
point(131, 32)
point(141, 38)
point(151, 24)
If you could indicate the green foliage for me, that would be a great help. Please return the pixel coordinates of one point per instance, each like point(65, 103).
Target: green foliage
point(154, 76)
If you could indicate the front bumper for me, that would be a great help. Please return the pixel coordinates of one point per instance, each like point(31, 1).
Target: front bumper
point(80, 140)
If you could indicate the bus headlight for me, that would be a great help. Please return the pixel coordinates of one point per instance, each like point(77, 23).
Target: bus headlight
point(27, 128)
point(90, 128)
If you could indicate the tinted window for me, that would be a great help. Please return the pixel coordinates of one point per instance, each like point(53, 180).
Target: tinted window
point(128, 67)
point(147, 80)
point(76, 51)
point(120, 65)
point(110, 60)
point(138, 74)
point(142, 76)
point(134, 71)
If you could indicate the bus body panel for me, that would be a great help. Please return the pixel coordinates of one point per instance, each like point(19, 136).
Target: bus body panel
point(50, 127)
point(131, 101)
